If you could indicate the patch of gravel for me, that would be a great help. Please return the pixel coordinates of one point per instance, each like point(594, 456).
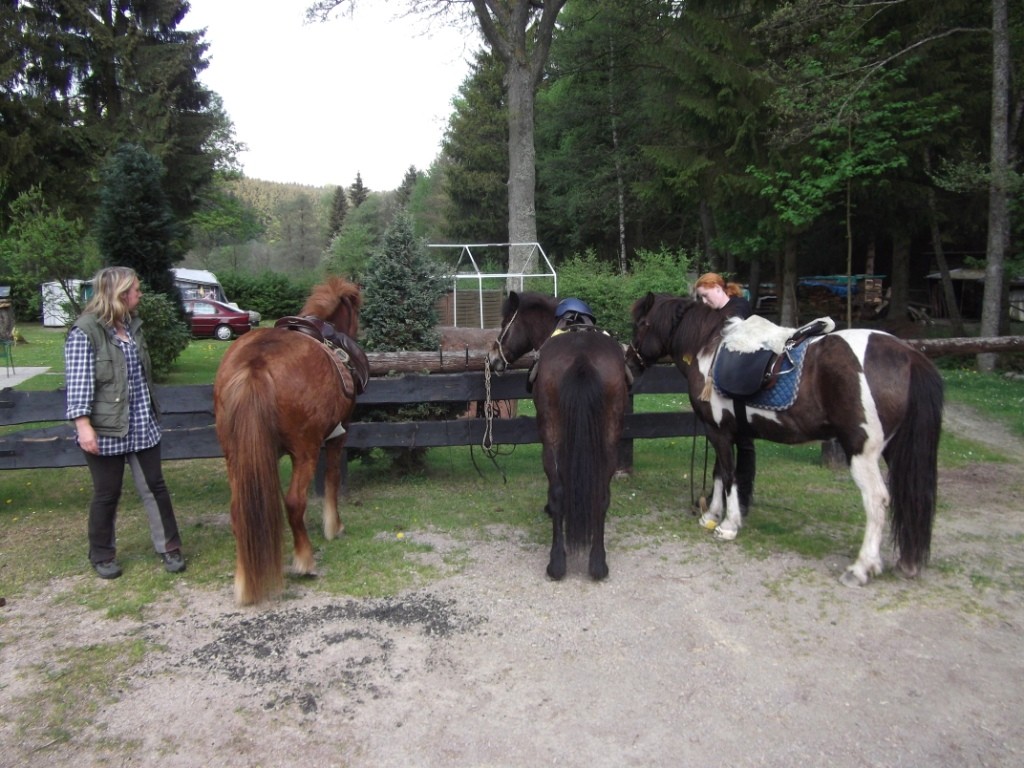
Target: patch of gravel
point(691, 653)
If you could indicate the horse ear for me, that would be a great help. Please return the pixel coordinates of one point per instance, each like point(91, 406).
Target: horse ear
point(643, 306)
point(513, 301)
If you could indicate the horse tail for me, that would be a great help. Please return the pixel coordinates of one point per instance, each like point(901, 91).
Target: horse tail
point(247, 428)
point(912, 457)
point(582, 458)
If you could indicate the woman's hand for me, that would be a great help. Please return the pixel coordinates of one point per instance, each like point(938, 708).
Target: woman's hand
point(87, 435)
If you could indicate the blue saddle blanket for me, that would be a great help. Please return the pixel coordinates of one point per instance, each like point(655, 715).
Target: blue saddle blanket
point(782, 395)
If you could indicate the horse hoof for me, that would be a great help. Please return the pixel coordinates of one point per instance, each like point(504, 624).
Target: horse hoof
point(725, 534)
point(851, 579)
point(708, 522)
point(554, 574)
point(908, 571)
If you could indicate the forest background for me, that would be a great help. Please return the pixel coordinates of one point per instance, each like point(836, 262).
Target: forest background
point(761, 139)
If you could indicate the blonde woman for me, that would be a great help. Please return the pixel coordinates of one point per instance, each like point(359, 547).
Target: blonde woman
point(712, 289)
point(109, 400)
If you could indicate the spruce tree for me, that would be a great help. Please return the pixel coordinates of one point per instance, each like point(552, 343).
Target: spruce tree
point(339, 210)
point(402, 286)
point(134, 223)
point(358, 192)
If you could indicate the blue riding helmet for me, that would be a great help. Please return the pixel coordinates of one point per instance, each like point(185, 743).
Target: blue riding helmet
point(565, 306)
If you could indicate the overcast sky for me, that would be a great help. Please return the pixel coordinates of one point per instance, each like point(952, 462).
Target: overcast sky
point(318, 103)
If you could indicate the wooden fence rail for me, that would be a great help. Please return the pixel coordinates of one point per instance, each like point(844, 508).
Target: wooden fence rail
point(188, 422)
point(398, 378)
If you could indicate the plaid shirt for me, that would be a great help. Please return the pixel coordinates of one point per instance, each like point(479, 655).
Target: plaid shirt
point(80, 371)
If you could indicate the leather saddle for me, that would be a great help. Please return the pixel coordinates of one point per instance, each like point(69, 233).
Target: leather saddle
point(741, 375)
point(343, 345)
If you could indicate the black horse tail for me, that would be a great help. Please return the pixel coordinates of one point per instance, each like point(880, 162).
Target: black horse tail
point(582, 459)
point(912, 457)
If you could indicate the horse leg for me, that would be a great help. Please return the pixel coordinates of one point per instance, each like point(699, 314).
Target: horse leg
point(713, 515)
point(554, 507)
point(598, 566)
point(303, 469)
point(333, 453)
point(726, 494)
point(868, 477)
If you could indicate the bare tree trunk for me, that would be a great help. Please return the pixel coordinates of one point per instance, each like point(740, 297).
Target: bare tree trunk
point(707, 225)
point(620, 184)
point(522, 178)
point(900, 279)
point(955, 320)
point(993, 303)
point(789, 312)
point(519, 34)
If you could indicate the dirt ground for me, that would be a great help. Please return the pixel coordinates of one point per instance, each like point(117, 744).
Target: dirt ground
point(688, 655)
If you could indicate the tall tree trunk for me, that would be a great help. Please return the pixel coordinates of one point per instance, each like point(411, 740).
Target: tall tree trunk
point(519, 34)
point(899, 286)
point(955, 320)
point(707, 224)
point(789, 312)
point(994, 301)
point(620, 183)
point(522, 177)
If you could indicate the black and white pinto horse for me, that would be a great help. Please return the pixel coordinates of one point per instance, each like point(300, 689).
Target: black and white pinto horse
point(876, 395)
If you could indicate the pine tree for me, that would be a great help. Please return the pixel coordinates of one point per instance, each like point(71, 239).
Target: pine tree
point(402, 287)
point(339, 210)
point(134, 223)
point(404, 192)
point(358, 192)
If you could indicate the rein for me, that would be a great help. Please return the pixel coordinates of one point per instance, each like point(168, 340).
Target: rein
point(501, 349)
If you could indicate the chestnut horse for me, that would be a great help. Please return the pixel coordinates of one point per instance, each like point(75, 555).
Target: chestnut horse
point(876, 395)
point(281, 392)
point(580, 391)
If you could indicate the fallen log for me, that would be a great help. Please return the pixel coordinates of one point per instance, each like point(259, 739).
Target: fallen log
point(968, 345)
point(439, 361)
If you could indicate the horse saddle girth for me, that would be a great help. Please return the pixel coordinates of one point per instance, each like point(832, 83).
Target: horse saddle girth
point(752, 376)
point(344, 347)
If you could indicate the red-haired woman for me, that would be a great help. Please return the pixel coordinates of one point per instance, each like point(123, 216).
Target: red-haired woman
point(712, 289)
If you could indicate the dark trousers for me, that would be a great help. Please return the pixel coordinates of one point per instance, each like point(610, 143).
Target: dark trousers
point(746, 469)
point(107, 479)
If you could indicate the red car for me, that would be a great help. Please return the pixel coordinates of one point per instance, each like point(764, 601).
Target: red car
point(215, 319)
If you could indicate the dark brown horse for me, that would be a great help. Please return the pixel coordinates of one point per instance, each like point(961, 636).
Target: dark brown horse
point(876, 395)
point(580, 392)
point(281, 392)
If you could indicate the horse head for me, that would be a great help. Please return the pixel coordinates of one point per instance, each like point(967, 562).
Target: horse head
point(527, 320)
point(337, 301)
point(659, 329)
point(655, 318)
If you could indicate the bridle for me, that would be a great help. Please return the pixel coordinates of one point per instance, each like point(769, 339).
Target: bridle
point(633, 349)
point(501, 337)
point(643, 327)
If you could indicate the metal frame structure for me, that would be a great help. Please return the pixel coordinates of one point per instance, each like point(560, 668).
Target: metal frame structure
point(466, 254)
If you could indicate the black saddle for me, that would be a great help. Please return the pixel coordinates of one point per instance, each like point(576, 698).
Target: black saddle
point(741, 375)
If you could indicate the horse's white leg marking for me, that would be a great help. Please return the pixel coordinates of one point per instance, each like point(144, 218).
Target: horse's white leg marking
point(874, 493)
point(710, 518)
point(733, 520)
point(332, 522)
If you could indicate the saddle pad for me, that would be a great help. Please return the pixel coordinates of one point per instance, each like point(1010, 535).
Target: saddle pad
point(781, 396)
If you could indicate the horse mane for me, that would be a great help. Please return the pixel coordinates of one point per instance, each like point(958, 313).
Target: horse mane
point(530, 299)
point(702, 328)
point(329, 297)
